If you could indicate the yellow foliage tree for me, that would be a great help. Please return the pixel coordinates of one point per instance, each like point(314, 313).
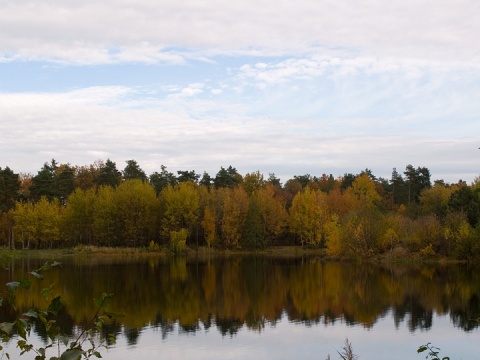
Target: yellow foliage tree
point(333, 236)
point(235, 208)
point(273, 213)
point(306, 216)
point(180, 207)
point(209, 225)
point(364, 190)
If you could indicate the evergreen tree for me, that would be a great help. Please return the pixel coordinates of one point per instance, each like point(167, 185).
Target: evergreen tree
point(133, 171)
point(162, 179)
point(109, 175)
point(9, 189)
point(43, 184)
point(186, 175)
point(467, 201)
point(206, 180)
point(227, 177)
point(64, 183)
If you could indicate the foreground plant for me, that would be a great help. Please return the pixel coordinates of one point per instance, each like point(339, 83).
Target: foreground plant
point(83, 346)
point(347, 353)
point(433, 352)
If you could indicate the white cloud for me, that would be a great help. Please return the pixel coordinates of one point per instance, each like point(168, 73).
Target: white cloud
point(145, 31)
point(83, 125)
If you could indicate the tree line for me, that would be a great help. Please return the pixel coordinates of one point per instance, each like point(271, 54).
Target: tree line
point(350, 215)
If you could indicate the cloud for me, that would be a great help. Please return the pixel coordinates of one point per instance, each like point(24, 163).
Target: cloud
point(93, 32)
point(182, 133)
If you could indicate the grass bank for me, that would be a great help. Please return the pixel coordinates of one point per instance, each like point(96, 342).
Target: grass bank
point(205, 252)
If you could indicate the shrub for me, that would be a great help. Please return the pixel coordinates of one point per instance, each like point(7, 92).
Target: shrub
point(178, 240)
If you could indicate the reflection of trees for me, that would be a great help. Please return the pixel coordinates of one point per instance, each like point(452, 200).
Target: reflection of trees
point(228, 326)
point(253, 292)
point(418, 317)
point(467, 318)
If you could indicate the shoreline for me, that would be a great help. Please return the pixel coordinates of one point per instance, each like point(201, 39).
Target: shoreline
point(204, 252)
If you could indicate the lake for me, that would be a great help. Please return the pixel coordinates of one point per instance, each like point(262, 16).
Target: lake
point(263, 307)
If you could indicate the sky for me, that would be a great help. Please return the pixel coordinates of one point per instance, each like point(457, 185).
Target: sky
point(285, 87)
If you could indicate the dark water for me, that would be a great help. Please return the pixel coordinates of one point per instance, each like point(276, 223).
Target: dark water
point(265, 308)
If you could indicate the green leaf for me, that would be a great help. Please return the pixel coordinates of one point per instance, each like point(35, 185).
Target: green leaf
point(97, 354)
point(53, 332)
point(71, 354)
point(46, 292)
point(63, 339)
point(12, 286)
point(37, 275)
point(25, 283)
point(6, 327)
point(21, 327)
point(31, 313)
point(55, 305)
point(421, 349)
point(55, 263)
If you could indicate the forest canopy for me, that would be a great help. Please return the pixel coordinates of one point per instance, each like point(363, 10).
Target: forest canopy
point(350, 215)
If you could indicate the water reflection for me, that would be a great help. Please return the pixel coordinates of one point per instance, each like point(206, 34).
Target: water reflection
point(229, 294)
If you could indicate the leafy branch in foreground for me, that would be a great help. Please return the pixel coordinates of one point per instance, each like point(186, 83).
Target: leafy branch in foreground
point(433, 352)
point(21, 328)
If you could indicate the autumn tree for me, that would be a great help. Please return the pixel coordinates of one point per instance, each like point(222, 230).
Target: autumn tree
point(106, 218)
point(333, 236)
point(291, 188)
point(25, 185)
point(273, 213)
point(48, 217)
point(364, 190)
point(252, 182)
point(24, 220)
point(306, 216)
point(137, 210)
point(209, 225)
point(180, 205)
point(235, 208)
point(38, 223)
point(254, 228)
point(434, 200)
point(362, 230)
point(86, 175)
point(326, 183)
point(78, 224)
